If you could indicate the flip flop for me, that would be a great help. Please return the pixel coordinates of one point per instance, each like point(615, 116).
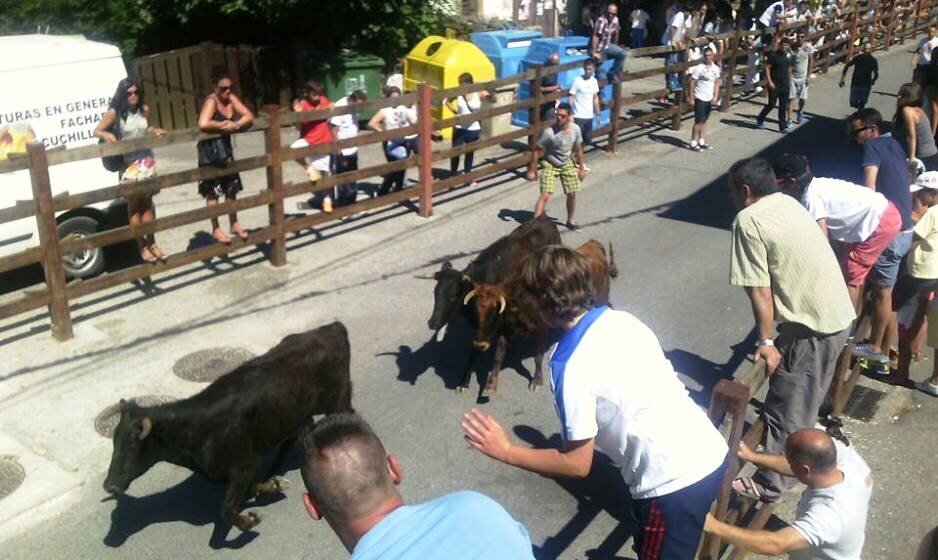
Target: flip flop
point(146, 256)
point(239, 231)
point(220, 236)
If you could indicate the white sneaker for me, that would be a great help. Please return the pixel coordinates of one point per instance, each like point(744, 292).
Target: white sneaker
point(927, 386)
point(759, 89)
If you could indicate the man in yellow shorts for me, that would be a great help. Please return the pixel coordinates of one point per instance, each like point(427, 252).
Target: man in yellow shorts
point(556, 146)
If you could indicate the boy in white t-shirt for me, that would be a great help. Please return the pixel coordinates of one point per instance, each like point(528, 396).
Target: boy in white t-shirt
point(614, 390)
point(345, 127)
point(830, 520)
point(584, 98)
point(704, 88)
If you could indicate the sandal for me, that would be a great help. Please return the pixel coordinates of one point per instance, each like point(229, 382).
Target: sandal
point(746, 486)
point(146, 256)
point(236, 229)
point(220, 236)
point(157, 252)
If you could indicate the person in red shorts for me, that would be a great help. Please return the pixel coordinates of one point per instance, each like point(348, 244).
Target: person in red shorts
point(860, 219)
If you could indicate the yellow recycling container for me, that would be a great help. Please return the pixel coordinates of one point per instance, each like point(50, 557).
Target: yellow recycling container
point(440, 62)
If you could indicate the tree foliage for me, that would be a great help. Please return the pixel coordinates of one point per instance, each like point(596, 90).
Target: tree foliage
point(387, 28)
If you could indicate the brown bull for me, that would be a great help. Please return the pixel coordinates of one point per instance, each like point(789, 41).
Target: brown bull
point(508, 309)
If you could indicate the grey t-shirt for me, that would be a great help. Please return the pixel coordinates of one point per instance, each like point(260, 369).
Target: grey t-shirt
point(800, 58)
point(833, 520)
point(558, 146)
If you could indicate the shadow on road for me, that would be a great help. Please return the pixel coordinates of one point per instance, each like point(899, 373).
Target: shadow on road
point(823, 139)
point(602, 491)
point(194, 501)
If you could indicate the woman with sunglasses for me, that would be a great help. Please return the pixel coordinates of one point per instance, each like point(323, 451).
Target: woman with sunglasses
point(127, 118)
point(222, 113)
point(911, 125)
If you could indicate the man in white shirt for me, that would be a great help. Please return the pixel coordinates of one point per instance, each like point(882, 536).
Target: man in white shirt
point(922, 55)
point(615, 390)
point(776, 14)
point(345, 127)
point(639, 19)
point(830, 519)
point(584, 97)
point(860, 219)
point(704, 88)
point(674, 37)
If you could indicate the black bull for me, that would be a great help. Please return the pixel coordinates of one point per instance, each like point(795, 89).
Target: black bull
point(225, 430)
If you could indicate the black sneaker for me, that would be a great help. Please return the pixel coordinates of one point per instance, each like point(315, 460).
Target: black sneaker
point(573, 226)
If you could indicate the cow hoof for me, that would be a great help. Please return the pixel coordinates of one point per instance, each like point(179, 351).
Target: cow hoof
point(534, 386)
point(460, 390)
point(489, 391)
point(248, 521)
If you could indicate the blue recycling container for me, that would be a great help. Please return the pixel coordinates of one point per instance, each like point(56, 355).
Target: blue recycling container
point(570, 49)
point(506, 49)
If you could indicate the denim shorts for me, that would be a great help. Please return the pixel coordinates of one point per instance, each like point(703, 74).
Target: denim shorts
point(885, 272)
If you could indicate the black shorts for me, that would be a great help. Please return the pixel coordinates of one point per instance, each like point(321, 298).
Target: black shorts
point(702, 110)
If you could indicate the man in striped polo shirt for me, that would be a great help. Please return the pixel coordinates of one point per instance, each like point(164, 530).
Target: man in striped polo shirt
point(791, 275)
point(614, 390)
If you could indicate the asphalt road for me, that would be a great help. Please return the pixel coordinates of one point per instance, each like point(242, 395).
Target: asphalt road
point(664, 208)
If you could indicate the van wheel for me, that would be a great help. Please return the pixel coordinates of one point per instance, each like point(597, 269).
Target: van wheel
point(85, 263)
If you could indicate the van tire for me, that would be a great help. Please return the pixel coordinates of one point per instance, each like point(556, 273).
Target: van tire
point(84, 264)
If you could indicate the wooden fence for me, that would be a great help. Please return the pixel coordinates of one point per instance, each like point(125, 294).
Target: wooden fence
point(57, 294)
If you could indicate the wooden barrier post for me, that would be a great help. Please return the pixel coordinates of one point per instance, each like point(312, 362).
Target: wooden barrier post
point(614, 115)
point(728, 397)
point(49, 241)
point(424, 146)
point(889, 29)
point(275, 212)
point(535, 121)
point(679, 105)
point(731, 72)
point(853, 34)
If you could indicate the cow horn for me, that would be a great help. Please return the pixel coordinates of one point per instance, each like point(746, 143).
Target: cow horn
point(146, 426)
point(466, 278)
point(501, 304)
point(469, 296)
point(428, 277)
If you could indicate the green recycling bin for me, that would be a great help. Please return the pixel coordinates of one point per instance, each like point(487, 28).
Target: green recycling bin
point(349, 71)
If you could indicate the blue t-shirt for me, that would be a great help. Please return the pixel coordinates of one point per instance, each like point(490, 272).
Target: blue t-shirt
point(892, 179)
point(457, 526)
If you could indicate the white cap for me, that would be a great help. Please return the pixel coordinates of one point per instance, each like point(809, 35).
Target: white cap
point(927, 180)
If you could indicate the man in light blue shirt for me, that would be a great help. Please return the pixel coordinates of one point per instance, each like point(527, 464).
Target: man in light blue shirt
point(351, 483)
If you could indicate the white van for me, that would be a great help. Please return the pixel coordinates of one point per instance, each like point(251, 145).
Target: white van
point(58, 87)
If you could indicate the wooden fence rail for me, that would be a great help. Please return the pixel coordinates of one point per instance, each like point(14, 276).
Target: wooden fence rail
point(57, 294)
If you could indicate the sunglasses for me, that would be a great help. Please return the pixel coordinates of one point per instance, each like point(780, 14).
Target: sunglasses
point(132, 92)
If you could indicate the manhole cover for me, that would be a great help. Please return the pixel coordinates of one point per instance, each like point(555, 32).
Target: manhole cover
point(11, 475)
point(105, 423)
point(863, 403)
point(208, 365)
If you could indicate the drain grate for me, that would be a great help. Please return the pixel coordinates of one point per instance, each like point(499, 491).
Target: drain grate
point(863, 403)
point(12, 475)
point(208, 365)
point(107, 420)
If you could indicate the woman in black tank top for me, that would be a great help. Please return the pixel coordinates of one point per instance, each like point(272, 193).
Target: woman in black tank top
point(222, 112)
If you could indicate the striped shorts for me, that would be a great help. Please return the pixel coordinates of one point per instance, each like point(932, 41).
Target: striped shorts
point(568, 177)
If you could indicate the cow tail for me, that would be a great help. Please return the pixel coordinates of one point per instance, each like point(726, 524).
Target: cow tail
point(613, 270)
